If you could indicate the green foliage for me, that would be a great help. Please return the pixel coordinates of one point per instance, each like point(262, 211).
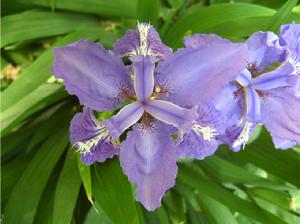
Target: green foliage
point(43, 180)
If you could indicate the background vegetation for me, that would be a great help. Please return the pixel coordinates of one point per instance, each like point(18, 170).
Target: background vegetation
point(42, 178)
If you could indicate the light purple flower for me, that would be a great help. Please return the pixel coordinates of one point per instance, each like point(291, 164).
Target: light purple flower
point(260, 96)
point(161, 102)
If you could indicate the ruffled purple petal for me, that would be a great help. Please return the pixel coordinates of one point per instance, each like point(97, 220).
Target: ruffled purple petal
point(148, 158)
point(91, 138)
point(238, 135)
point(193, 76)
point(264, 50)
point(97, 77)
point(290, 38)
point(142, 41)
point(281, 117)
point(283, 143)
point(231, 103)
point(143, 68)
point(126, 117)
point(201, 40)
point(170, 113)
point(202, 140)
point(280, 77)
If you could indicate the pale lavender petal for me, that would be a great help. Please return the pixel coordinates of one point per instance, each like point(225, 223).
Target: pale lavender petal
point(170, 113)
point(290, 38)
point(283, 143)
point(264, 50)
point(252, 105)
point(148, 158)
point(244, 78)
point(126, 117)
point(84, 126)
point(231, 103)
point(90, 138)
point(130, 44)
point(143, 68)
point(238, 135)
point(97, 77)
point(203, 139)
point(281, 117)
point(195, 76)
point(279, 77)
point(201, 40)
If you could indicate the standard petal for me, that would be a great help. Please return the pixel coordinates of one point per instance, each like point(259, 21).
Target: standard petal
point(143, 68)
point(281, 117)
point(170, 113)
point(264, 50)
point(201, 40)
point(253, 105)
point(148, 158)
point(97, 77)
point(195, 76)
point(91, 138)
point(126, 117)
point(202, 140)
point(290, 38)
point(244, 78)
point(142, 41)
point(280, 77)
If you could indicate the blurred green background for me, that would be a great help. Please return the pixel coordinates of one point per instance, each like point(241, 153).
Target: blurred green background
point(42, 178)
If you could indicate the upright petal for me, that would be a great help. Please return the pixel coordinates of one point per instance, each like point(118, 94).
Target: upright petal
point(97, 77)
point(244, 78)
point(290, 38)
point(126, 117)
point(252, 105)
point(193, 76)
point(280, 77)
point(148, 158)
point(170, 113)
point(91, 138)
point(143, 68)
point(281, 117)
point(201, 40)
point(203, 139)
point(143, 41)
point(264, 50)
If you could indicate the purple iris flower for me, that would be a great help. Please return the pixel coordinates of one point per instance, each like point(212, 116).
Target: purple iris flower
point(264, 92)
point(164, 94)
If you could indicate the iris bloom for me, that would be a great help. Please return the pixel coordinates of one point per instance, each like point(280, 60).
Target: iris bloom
point(164, 94)
point(265, 93)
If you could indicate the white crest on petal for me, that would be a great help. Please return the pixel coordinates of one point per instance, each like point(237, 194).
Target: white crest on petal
point(143, 31)
point(243, 136)
point(88, 145)
point(207, 133)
